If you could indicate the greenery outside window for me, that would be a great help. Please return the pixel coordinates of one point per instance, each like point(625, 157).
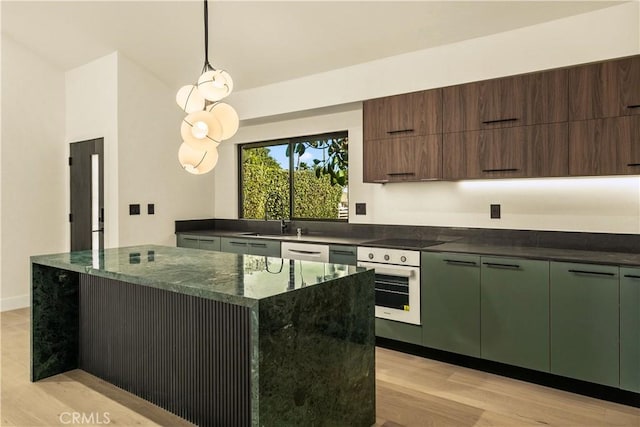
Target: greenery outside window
point(295, 178)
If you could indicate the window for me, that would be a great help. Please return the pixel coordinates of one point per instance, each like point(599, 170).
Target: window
point(297, 178)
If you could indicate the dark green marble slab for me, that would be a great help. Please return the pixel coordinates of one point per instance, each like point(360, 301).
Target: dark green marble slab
point(237, 279)
point(54, 320)
point(317, 355)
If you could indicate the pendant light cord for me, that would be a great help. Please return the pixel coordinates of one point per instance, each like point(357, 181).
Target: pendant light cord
point(207, 65)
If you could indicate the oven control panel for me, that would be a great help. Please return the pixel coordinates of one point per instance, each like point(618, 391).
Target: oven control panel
point(389, 256)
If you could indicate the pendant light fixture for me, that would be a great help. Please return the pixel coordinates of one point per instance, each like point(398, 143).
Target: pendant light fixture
point(208, 121)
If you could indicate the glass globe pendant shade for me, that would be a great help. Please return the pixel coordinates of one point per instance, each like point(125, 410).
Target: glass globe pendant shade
point(197, 162)
point(227, 117)
point(201, 128)
point(189, 99)
point(215, 85)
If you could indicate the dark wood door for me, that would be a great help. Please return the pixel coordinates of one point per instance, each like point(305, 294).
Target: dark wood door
point(403, 159)
point(605, 146)
point(529, 99)
point(80, 163)
point(411, 114)
point(605, 89)
point(518, 152)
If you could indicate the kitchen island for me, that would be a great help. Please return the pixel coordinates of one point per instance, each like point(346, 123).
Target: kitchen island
point(216, 338)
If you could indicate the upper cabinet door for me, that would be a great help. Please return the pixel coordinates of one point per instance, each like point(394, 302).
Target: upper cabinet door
point(605, 89)
point(411, 114)
point(529, 99)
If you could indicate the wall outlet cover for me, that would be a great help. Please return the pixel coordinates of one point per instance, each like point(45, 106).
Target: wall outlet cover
point(134, 209)
point(495, 211)
point(151, 209)
point(361, 208)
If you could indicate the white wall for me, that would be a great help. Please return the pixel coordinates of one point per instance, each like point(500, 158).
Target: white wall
point(92, 112)
point(34, 162)
point(149, 172)
point(577, 204)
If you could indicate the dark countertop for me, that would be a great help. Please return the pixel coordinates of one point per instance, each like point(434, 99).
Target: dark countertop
point(238, 279)
point(551, 254)
point(459, 246)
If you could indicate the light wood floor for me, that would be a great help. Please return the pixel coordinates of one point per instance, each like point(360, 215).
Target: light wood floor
point(411, 391)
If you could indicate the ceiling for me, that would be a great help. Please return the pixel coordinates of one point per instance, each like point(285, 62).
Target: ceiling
point(261, 42)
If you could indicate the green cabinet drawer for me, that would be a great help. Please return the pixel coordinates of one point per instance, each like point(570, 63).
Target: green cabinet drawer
point(450, 302)
point(262, 247)
point(399, 331)
point(514, 295)
point(630, 329)
point(188, 241)
point(339, 254)
point(210, 243)
point(585, 322)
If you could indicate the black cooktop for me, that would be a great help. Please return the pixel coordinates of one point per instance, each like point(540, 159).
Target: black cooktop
point(414, 244)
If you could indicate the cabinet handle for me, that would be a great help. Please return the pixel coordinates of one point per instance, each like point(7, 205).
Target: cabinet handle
point(190, 238)
point(632, 276)
point(457, 262)
point(488, 122)
point(592, 273)
point(400, 173)
point(633, 164)
point(300, 251)
point(499, 265)
point(339, 252)
point(633, 106)
point(258, 245)
point(501, 170)
point(392, 132)
point(238, 243)
point(381, 181)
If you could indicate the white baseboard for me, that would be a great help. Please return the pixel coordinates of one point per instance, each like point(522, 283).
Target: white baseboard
point(13, 303)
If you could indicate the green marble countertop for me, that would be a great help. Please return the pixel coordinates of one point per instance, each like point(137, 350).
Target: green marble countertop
point(238, 279)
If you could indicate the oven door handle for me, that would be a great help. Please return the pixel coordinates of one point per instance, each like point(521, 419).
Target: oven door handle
point(389, 271)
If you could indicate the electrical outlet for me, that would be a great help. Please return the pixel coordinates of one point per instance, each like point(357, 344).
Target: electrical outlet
point(151, 209)
point(361, 208)
point(495, 211)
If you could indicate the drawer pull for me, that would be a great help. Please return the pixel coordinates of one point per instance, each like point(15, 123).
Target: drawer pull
point(488, 122)
point(381, 181)
point(339, 252)
point(592, 273)
point(258, 245)
point(401, 173)
point(633, 164)
point(632, 276)
point(633, 106)
point(238, 243)
point(499, 265)
point(457, 262)
point(501, 170)
point(190, 238)
point(393, 132)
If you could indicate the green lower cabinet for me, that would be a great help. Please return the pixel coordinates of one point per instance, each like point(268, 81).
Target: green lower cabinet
point(514, 296)
point(340, 254)
point(188, 241)
point(399, 331)
point(630, 329)
point(450, 302)
point(585, 322)
point(261, 247)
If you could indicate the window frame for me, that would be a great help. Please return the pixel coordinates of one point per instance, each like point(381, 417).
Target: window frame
point(291, 142)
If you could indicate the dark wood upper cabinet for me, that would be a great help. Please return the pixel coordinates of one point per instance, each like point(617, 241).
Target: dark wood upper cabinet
point(605, 89)
point(608, 146)
point(517, 152)
point(411, 114)
point(527, 99)
point(401, 159)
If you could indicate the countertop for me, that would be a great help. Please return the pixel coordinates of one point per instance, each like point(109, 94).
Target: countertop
point(458, 246)
point(238, 279)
